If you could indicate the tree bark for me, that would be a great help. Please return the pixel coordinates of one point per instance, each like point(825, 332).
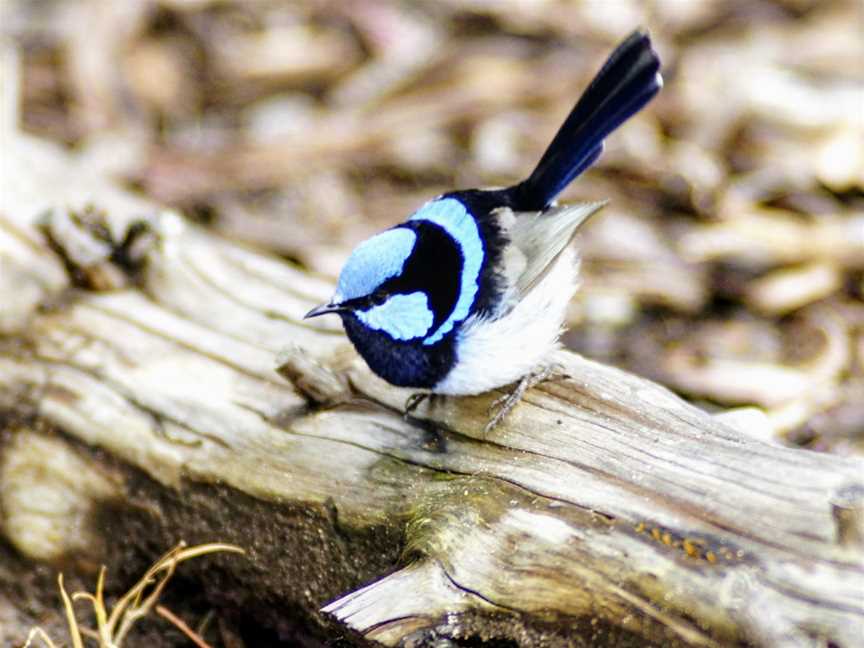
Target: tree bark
point(138, 378)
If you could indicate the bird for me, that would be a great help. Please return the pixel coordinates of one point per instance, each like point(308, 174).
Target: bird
point(469, 293)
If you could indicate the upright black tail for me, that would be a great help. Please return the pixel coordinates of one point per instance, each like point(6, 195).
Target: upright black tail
point(627, 81)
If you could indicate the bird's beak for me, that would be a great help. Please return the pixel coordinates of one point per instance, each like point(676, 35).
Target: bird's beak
point(323, 309)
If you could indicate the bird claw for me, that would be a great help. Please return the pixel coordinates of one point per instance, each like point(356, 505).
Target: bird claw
point(503, 405)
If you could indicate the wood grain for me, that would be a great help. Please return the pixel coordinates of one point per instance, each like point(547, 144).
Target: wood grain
point(603, 496)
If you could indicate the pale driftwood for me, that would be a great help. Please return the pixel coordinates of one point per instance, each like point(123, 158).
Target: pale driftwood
point(603, 504)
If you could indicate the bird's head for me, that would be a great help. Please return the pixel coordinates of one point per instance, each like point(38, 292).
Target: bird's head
point(371, 288)
point(410, 281)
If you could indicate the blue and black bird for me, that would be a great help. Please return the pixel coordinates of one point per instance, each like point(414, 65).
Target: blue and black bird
point(470, 293)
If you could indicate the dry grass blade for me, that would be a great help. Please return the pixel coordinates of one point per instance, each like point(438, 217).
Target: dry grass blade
point(127, 615)
point(133, 605)
point(141, 609)
point(165, 613)
point(38, 632)
point(74, 632)
point(98, 603)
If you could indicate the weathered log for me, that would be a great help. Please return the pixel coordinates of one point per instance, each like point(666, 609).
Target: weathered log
point(604, 507)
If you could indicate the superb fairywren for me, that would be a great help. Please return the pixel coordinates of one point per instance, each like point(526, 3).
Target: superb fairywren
point(470, 292)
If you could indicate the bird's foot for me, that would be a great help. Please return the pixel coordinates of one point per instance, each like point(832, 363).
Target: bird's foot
point(502, 406)
point(414, 401)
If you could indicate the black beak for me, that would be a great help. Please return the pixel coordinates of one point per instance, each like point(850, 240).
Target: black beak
point(323, 309)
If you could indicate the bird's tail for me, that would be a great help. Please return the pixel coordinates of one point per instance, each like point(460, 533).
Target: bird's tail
point(627, 81)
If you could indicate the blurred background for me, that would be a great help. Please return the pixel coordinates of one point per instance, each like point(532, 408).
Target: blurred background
point(729, 264)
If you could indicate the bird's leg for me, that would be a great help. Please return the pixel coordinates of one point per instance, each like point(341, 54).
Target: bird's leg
point(433, 440)
point(502, 406)
point(414, 401)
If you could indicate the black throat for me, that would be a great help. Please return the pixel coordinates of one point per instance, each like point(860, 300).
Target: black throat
point(402, 363)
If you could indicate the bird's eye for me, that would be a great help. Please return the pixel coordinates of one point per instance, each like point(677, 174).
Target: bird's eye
point(378, 298)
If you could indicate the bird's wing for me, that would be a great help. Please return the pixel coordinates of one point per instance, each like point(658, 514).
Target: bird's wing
point(540, 238)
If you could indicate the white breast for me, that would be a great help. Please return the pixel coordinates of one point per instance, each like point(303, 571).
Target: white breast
point(498, 352)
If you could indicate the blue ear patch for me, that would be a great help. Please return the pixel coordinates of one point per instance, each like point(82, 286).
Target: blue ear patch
point(453, 217)
point(373, 262)
point(403, 317)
